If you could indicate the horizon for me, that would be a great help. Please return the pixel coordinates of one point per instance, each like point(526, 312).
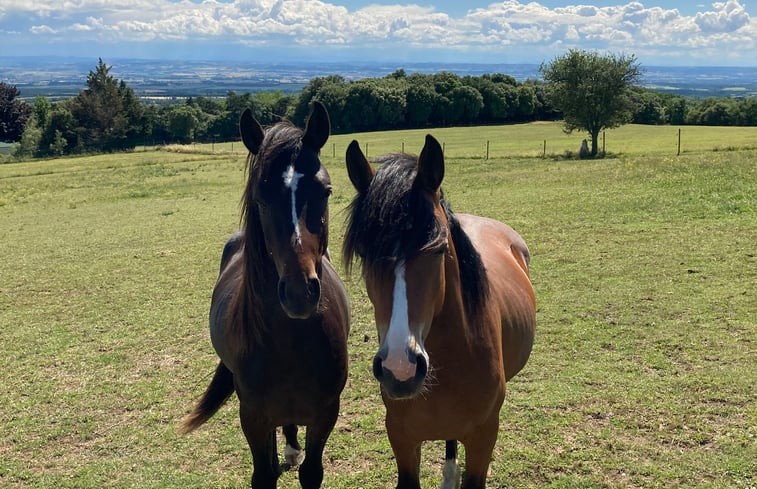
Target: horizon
point(346, 62)
point(167, 79)
point(661, 33)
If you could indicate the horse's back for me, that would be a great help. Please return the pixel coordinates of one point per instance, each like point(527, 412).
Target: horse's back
point(227, 286)
point(506, 258)
point(233, 245)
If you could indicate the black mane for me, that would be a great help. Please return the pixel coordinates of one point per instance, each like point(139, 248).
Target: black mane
point(393, 221)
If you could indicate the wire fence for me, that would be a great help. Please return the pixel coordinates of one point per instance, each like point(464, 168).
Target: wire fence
point(537, 140)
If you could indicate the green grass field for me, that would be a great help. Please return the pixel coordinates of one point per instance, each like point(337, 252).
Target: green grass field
point(642, 375)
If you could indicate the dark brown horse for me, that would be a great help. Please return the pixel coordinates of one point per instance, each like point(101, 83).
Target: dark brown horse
point(454, 308)
point(279, 316)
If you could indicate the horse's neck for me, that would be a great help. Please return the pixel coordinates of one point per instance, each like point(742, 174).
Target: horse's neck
point(453, 309)
point(260, 271)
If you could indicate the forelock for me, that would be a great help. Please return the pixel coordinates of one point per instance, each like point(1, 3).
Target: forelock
point(393, 220)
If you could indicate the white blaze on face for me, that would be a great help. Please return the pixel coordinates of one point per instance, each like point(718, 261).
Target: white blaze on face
point(399, 327)
point(291, 179)
point(399, 338)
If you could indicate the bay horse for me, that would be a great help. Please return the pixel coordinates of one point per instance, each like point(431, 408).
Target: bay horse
point(279, 315)
point(453, 305)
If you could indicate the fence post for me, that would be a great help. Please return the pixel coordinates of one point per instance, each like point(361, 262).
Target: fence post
point(603, 143)
point(333, 149)
point(544, 152)
point(403, 147)
point(487, 149)
point(679, 142)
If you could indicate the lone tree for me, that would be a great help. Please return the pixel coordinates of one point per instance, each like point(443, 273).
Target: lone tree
point(108, 112)
point(591, 91)
point(13, 113)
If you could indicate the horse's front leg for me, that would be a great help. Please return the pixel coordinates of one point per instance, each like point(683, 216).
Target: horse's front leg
point(478, 453)
point(262, 441)
point(407, 454)
point(311, 470)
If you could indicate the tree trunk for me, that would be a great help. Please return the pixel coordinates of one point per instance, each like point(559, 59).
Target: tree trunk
point(594, 138)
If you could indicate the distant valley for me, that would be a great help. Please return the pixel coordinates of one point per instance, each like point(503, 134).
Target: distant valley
point(164, 81)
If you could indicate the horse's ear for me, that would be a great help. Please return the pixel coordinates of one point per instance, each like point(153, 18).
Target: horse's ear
point(318, 127)
point(430, 165)
point(251, 131)
point(360, 171)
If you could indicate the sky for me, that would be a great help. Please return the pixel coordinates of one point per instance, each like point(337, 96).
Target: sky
point(657, 32)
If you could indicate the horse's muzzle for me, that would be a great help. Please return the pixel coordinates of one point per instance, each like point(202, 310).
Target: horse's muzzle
point(299, 298)
point(401, 389)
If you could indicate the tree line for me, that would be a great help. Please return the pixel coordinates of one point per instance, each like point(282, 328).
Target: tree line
point(108, 116)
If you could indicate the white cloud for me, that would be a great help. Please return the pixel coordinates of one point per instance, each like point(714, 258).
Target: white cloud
point(586, 11)
point(571, 34)
point(727, 17)
point(501, 28)
point(42, 29)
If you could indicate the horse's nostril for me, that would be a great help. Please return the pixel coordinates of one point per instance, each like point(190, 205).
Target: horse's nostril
point(314, 288)
point(282, 291)
point(421, 367)
point(378, 368)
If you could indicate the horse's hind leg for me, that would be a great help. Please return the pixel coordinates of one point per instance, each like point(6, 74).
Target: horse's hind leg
point(311, 470)
point(293, 454)
point(262, 441)
point(451, 472)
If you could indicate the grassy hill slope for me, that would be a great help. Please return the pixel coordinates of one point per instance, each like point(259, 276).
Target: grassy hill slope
point(644, 267)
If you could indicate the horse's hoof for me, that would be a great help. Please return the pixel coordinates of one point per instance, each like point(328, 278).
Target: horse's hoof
point(293, 457)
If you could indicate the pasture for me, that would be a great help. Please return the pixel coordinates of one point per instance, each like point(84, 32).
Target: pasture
point(642, 374)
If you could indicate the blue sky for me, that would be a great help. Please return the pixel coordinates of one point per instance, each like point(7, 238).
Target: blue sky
point(658, 32)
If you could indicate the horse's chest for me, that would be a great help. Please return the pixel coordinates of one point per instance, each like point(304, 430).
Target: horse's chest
point(291, 375)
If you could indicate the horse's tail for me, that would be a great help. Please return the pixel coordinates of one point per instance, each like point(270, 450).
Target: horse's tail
point(219, 390)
